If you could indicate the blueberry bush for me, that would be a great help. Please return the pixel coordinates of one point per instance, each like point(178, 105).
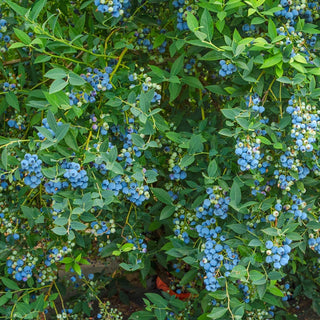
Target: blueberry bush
point(178, 139)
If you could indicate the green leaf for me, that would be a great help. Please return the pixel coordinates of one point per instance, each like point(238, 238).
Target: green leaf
point(77, 269)
point(45, 132)
point(195, 144)
point(76, 80)
point(57, 85)
point(17, 45)
point(52, 121)
point(271, 231)
point(167, 212)
point(219, 295)
point(5, 298)
point(78, 225)
point(177, 66)
point(67, 260)
point(62, 131)
point(238, 228)
point(56, 73)
point(192, 22)
point(275, 291)
point(4, 158)
point(264, 140)
point(192, 82)
point(217, 313)
point(255, 275)
point(162, 195)
point(22, 36)
point(272, 61)
point(61, 221)
point(10, 283)
point(20, 10)
point(212, 168)
point(157, 300)
point(36, 9)
point(161, 314)
point(189, 276)
point(186, 161)
point(12, 100)
point(60, 231)
point(137, 140)
point(41, 59)
point(231, 113)
point(272, 30)
point(142, 315)
point(174, 90)
point(261, 289)
point(226, 132)
point(206, 23)
point(235, 193)
point(114, 167)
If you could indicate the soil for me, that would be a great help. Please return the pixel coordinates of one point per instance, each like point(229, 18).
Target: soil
point(304, 310)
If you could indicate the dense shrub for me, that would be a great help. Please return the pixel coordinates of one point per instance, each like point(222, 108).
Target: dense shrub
point(175, 137)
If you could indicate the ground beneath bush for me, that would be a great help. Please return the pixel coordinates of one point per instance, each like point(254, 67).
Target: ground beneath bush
point(126, 293)
point(303, 310)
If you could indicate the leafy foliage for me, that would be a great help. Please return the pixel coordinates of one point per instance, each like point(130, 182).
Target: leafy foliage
point(178, 137)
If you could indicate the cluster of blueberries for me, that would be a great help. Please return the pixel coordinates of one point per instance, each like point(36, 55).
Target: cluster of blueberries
point(9, 86)
point(278, 255)
point(248, 150)
point(314, 244)
point(226, 68)
point(249, 28)
point(177, 173)
point(45, 125)
point(139, 244)
point(287, 294)
point(4, 181)
point(128, 148)
point(21, 269)
point(134, 193)
point(296, 207)
point(32, 165)
point(115, 7)
point(77, 177)
point(103, 129)
point(182, 6)
point(246, 292)
point(99, 80)
point(147, 84)
point(285, 181)
point(144, 40)
point(54, 186)
point(54, 255)
point(293, 9)
point(179, 224)
point(305, 119)
point(299, 40)
point(217, 204)
point(253, 102)
point(217, 255)
point(4, 38)
point(100, 228)
point(189, 66)
point(16, 124)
